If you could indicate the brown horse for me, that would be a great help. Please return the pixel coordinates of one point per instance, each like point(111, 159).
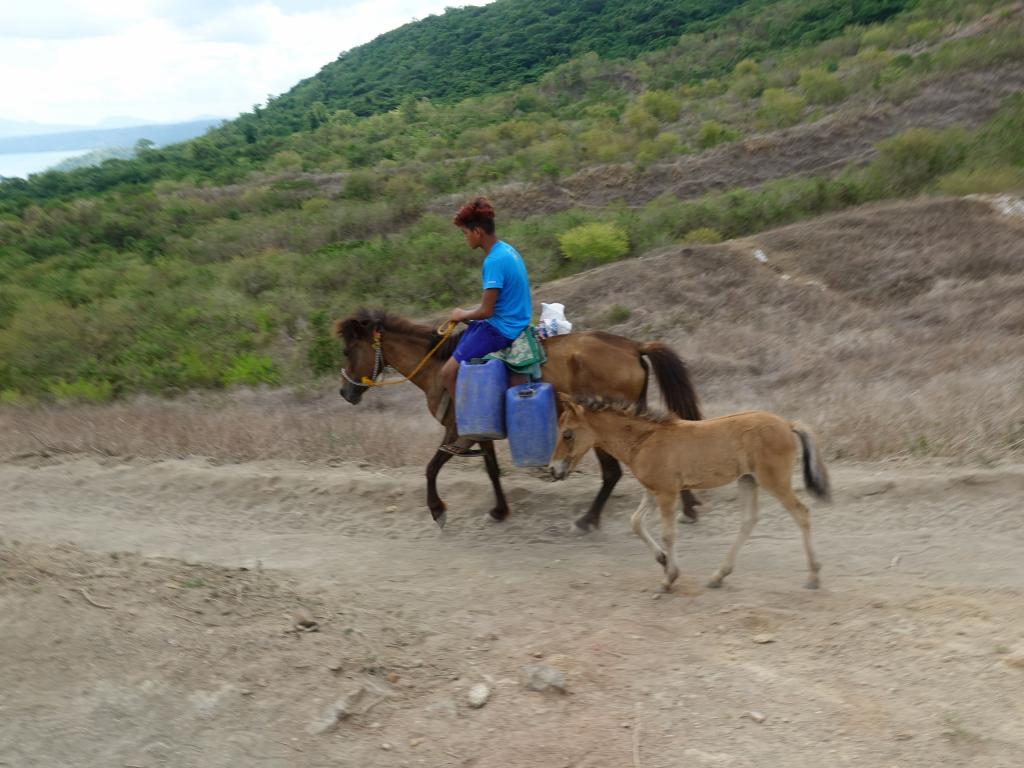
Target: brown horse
point(593, 362)
point(666, 454)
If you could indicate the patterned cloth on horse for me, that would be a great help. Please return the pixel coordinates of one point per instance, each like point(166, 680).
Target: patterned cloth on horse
point(524, 356)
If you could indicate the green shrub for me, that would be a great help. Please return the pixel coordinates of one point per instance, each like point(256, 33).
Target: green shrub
point(251, 370)
point(974, 181)
point(780, 108)
point(663, 105)
point(909, 161)
point(324, 351)
point(288, 160)
point(713, 133)
point(617, 314)
point(596, 243)
point(82, 391)
point(820, 87)
point(705, 235)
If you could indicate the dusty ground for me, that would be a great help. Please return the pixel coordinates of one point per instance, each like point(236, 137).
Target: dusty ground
point(912, 654)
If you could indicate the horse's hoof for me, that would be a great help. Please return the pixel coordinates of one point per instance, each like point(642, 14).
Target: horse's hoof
point(813, 584)
point(498, 514)
point(687, 519)
point(441, 519)
point(714, 584)
point(584, 525)
point(664, 589)
point(662, 559)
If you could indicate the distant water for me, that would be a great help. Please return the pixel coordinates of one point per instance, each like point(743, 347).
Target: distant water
point(21, 164)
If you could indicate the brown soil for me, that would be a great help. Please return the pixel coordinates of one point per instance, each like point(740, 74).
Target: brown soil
point(912, 653)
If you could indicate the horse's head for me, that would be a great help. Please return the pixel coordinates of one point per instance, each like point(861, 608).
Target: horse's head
point(358, 334)
point(575, 438)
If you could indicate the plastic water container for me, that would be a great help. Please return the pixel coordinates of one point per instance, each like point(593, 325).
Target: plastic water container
point(480, 399)
point(532, 423)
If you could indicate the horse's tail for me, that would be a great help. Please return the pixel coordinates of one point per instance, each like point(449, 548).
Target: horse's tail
point(815, 473)
point(673, 380)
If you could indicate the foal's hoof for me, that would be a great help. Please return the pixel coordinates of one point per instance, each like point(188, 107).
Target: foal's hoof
point(441, 519)
point(664, 589)
point(498, 514)
point(714, 584)
point(811, 584)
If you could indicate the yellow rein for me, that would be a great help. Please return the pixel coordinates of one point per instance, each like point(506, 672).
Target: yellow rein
point(445, 331)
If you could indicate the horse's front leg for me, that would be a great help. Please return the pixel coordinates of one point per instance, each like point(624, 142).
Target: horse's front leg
point(611, 471)
point(438, 510)
point(500, 511)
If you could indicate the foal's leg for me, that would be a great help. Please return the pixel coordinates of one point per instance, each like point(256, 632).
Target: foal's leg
point(667, 505)
point(500, 511)
point(748, 503)
point(646, 503)
point(611, 471)
point(779, 486)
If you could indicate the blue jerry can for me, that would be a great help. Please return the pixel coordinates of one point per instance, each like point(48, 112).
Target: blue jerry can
point(480, 399)
point(532, 423)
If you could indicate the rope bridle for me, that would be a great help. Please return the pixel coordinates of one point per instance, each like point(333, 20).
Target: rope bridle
point(379, 364)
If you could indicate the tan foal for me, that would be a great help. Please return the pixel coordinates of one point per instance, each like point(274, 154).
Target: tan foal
point(667, 455)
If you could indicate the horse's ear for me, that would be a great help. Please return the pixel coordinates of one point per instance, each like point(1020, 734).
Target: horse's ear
point(351, 328)
point(565, 399)
point(338, 331)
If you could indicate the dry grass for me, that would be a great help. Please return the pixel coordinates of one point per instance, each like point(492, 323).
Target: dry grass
point(893, 329)
point(390, 429)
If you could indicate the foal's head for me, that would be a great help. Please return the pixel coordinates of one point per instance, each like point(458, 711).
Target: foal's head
point(575, 438)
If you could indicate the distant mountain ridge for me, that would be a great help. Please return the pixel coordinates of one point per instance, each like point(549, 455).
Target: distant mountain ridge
point(160, 134)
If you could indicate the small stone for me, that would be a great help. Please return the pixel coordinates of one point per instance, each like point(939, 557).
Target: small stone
point(335, 666)
point(478, 695)
point(393, 677)
point(539, 677)
point(538, 654)
point(391, 508)
point(386, 746)
point(762, 639)
point(756, 716)
point(415, 742)
point(338, 711)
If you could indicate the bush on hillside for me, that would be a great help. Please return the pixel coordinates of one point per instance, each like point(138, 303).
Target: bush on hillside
point(713, 133)
point(597, 243)
point(820, 87)
point(908, 162)
point(780, 108)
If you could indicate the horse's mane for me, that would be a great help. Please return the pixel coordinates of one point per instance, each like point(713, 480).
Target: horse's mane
point(596, 404)
point(361, 324)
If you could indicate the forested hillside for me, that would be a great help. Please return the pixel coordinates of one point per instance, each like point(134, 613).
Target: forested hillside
point(219, 261)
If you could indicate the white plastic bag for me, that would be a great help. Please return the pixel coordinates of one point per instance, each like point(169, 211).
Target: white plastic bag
point(552, 320)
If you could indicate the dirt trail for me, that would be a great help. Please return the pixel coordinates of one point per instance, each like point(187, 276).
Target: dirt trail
point(912, 654)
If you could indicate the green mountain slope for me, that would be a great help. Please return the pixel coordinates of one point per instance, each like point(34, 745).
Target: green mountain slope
point(218, 262)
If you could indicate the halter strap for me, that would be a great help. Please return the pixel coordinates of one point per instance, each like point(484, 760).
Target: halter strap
point(379, 365)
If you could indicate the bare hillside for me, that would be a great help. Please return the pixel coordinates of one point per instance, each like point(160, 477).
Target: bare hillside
point(896, 327)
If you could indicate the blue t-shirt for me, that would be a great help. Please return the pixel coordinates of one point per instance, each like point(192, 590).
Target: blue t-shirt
point(504, 269)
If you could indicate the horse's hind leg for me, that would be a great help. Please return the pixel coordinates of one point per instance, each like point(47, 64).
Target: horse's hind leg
point(748, 503)
point(782, 490)
point(500, 510)
point(611, 471)
point(667, 505)
point(690, 504)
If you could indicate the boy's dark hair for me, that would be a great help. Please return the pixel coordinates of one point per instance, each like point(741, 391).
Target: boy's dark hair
point(478, 213)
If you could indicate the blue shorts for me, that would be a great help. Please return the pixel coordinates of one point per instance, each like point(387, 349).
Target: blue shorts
point(479, 339)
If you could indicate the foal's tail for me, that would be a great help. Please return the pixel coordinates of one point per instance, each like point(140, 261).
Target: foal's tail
point(673, 380)
point(815, 473)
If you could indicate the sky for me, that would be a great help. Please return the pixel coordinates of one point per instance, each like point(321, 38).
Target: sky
point(80, 62)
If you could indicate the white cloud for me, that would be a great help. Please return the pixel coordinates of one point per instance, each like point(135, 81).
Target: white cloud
point(140, 58)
